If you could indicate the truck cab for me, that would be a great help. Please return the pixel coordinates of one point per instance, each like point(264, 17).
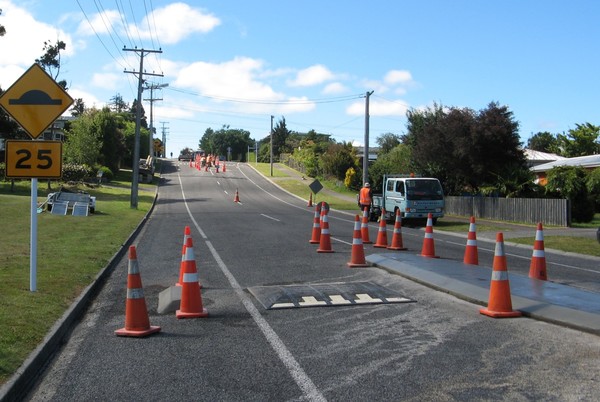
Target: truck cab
point(414, 197)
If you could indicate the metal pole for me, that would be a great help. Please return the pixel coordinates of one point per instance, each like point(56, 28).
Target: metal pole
point(33, 237)
point(365, 177)
point(271, 146)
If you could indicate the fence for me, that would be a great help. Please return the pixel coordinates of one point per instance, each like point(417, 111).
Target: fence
point(526, 210)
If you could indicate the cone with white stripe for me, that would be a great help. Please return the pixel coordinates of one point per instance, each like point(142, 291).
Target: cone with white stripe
point(325, 238)
point(316, 228)
point(237, 196)
point(191, 299)
point(381, 241)
point(471, 254)
point(500, 303)
point(537, 268)
point(137, 323)
point(364, 227)
point(310, 202)
point(397, 242)
point(428, 249)
point(357, 257)
point(187, 233)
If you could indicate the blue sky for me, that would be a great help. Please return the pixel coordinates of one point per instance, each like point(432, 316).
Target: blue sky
point(237, 63)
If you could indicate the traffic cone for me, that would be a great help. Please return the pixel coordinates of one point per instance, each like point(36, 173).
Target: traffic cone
point(499, 304)
point(310, 203)
point(364, 227)
point(316, 230)
point(191, 299)
point(428, 249)
point(381, 241)
point(325, 238)
point(537, 269)
point(237, 196)
point(137, 323)
point(397, 243)
point(224, 167)
point(471, 254)
point(187, 233)
point(357, 257)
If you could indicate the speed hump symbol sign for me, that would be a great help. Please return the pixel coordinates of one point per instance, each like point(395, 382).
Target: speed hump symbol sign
point(33, 159)
point(35, 100)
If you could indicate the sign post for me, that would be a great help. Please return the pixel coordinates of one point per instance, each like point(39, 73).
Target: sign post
point(35, 100)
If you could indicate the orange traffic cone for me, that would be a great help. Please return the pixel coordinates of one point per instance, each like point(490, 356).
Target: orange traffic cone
point(499, 304)
point(325, 238)
point(191, 300)
point(237, 196)
point(381, 241)
point(310, 203)
point(316, 230)
point(187, 233)
point(471, 254)
point(224, 167)
point(397, 243)
point(428, 249)
point(357, 257)
point(364, 227)
point(137, 323)
point(537, 269)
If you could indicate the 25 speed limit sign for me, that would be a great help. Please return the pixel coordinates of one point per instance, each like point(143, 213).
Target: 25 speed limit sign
point(33, 159)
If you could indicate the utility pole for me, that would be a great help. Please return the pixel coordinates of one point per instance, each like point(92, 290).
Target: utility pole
point(152, 100)
point(365, 177)
point(138, 120)
point(271, 145)
point(164, 137)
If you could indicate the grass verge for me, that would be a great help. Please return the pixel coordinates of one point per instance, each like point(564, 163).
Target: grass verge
point(71, 252)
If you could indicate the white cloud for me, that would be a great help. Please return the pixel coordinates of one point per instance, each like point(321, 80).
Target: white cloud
point(335, 88)
point(313, 75)
point(100, 23)
point(395, 77)
point(177, 21)
point(107, 80)
point(379, 108)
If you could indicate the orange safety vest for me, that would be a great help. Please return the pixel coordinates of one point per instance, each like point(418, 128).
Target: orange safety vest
point(365, 197)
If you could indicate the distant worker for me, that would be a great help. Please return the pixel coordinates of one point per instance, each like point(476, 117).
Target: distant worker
point(365, 197)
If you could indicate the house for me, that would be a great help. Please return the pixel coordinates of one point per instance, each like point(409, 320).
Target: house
point(535, 158)
point(586, 162)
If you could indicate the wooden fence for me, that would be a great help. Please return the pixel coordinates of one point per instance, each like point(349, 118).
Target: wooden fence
point(556, 212)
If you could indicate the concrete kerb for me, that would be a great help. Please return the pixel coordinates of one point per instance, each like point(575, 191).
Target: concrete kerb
point(26, 375)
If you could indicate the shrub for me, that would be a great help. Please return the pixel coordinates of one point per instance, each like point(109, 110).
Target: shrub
point(74, 172)
point(107, 174)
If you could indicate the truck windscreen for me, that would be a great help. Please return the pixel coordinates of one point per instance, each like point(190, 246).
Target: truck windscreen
point(423, 190)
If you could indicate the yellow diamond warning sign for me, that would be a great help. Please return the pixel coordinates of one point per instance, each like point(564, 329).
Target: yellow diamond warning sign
point(35, 100)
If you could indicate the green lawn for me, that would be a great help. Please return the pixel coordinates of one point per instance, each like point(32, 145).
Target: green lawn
point(71, 252)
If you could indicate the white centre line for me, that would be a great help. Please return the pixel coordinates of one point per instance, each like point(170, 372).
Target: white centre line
point(270, 217)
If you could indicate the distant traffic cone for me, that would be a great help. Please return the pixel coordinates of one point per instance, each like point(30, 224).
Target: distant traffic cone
point(191, 299)
point(471, 254)
point(364, 227)
point(237, 196)
point(499, 304)
point(325, 238)
point(357, 257)
point(428, 249)
point(187, 233)
point(397, 242)
point(137, 323)
point(310, 203)
point(224, 167)
point(316, 229)
point(537, 269)
point(381, 241)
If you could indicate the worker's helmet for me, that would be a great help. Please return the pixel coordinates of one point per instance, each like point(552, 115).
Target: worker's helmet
point(367, 185)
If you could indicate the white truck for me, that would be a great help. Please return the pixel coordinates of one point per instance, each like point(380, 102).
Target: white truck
point(414, 197)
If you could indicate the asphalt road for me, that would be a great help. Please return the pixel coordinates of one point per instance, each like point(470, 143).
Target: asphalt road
point(433, 348)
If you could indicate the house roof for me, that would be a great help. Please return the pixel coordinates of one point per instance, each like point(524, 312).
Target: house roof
point(533, 155)
point(589, 161)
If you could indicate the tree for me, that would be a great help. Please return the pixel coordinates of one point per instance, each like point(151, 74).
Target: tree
point(396, 161)
point(117, 104)
point(338, 158)
point(543, 142)
point(2, 29)
point(581, 141)
point(220, 141)
point(83, 144)
point(593, 187)
point(50, 60)
point(280, 136)
point(387, 142)
point(78, 107)
point(570, 182)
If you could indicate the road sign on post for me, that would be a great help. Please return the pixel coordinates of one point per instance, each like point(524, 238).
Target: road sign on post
point(29, 159)
point(35, 100)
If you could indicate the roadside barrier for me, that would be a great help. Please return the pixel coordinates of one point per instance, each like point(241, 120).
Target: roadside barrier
point(537, 268)
point(237, 196)
point(364, 227)
point(191, 299)
point(381, 241)
point(471, 253)
point(428, 249)
point(500, 303)
point(397, 242)
point(316, 229)
point(325, 238)
point(137, 322)
point(357, 257)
